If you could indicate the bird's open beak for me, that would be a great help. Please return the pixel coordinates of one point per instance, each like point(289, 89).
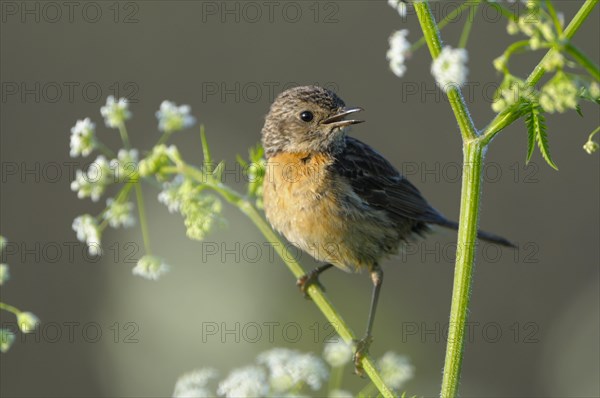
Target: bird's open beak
point(338, 120)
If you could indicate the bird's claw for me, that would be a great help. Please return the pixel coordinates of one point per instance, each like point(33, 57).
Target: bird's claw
point(362, 349)
point(306, 280)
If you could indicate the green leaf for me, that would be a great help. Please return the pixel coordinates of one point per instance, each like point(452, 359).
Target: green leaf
point(578, 109)
point(536, 129)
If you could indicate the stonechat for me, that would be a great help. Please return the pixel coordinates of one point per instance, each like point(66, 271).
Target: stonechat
point(334, 196)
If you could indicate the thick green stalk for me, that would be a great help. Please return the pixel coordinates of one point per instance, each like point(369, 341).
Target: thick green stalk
point(465, 258)
point(473, 149)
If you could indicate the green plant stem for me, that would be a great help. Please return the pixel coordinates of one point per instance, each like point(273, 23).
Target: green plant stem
point(465, 257)
point(504, 119)
point(142, 212)
point(554, 16)
point(447, 19)
point(124, 135)
point(503, 10)
point(473, 149)
point(314, 291)
point(10, 308)
point(584, 61)
point(593, 133)
point(457, 102)
point(106, 151)
point(464, 37)
point(164, 137)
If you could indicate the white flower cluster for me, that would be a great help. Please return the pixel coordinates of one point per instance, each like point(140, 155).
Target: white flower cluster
point(173, 118)
point(537, 25)
point(289, 368)
point(150, 267)
point(201, 212)
point(119, 214)
point(125, 165)
point(559, 94)
point(398, 52)
point(93, 182)
point(250, 381)
point(283, 372)
point(395, 369)
point(338, 353)
point(450, 68)
point(88, 231)
point(115, 112)
point(26, 321)
point(194, 384)
point(399, 5)
point(83, 139)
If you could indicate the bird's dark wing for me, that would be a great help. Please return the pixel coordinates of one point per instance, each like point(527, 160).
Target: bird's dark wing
point(377, 182)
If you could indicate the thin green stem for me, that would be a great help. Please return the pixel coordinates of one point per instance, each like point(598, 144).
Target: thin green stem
point(447, 19)
point(593, 133)
point(504, 119)
point(336, 377)
point(504, 11)
point(142, 213)
point(164, 137)
point(512, 49)
point(457, 102)
point(124, 135)
point(554, 16)
point(464, 37)
point(584, 61)
point(106, 151)
point(10, 308)
point(314, 291)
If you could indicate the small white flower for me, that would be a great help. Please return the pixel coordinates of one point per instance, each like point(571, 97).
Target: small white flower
point(395, 369)
point(591, 147)
point(150, 267)
point(125, 165)
point(250, 381)
point(337, 353)
point(94, 181)
point(450, 69)
point(119, 214)
point(115, 112)
point(88, 231)
point(4, 273)
point(193, 384)
point(83, 140)
point(170, 196)
point(399, 6)
point(6, 339)
point(398, 52)
point(173, 118)
point(27, 321)
point(287, 368)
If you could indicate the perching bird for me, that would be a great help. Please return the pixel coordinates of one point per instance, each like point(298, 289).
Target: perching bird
point(334, 196)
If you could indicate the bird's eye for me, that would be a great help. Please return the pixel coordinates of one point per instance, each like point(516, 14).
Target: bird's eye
point(306, 116)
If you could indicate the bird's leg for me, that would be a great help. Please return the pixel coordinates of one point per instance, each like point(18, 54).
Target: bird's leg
point(312, 278)
point(362, 346)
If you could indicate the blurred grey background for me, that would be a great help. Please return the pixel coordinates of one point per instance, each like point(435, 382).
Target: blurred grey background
point(534, 313)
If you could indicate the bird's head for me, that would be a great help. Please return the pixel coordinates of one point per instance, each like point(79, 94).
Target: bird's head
point(306, 119)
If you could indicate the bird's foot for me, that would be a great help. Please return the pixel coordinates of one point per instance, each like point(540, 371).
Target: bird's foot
point(304, 282)
point(362, 349)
